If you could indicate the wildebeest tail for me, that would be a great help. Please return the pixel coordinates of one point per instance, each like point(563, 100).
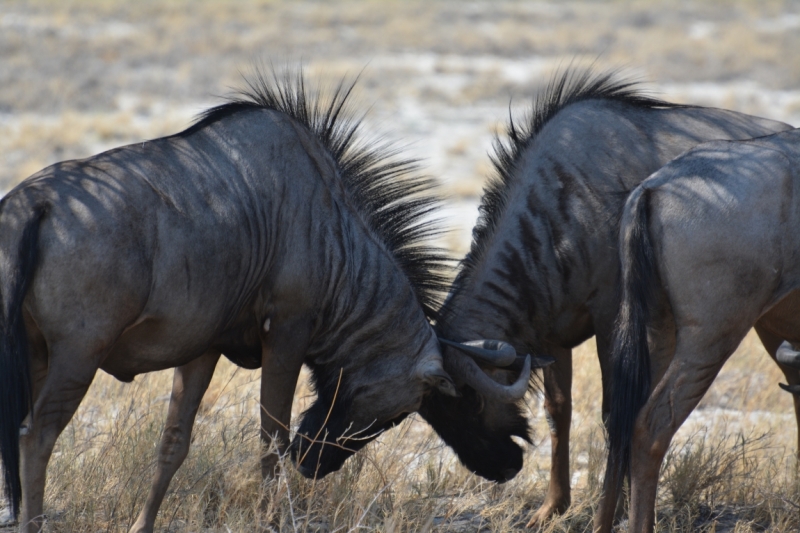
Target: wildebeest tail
point(18, 249)
point(630, 384)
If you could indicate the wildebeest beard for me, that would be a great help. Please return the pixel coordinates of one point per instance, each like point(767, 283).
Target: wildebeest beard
point(478, 430)
point(325, 438)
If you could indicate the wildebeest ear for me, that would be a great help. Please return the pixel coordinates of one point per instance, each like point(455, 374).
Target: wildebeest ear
point(433, 374)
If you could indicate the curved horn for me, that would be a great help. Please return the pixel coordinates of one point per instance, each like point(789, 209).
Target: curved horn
point(469, 371)
point(488, 352)
point(787, 355)
point(794, 389)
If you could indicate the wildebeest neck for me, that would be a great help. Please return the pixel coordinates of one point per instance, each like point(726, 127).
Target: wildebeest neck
point(327, 256)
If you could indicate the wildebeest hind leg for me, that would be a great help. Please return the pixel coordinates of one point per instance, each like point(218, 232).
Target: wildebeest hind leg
point(697, 362)
point(558, 409)
point(189, 384)
point(771, 342)
point(68, 379)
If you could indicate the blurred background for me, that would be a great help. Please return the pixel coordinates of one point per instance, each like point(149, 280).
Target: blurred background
point(78, 77)
point(441, 78)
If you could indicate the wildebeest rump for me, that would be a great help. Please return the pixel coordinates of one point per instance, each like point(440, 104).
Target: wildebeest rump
point(266, 230)
point(542, 271)
point(709, 248)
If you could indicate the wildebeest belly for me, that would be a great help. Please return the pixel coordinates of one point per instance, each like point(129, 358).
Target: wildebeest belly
point(155, 344)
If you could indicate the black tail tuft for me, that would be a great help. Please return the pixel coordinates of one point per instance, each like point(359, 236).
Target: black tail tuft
point(630, 384)
point(15, 377)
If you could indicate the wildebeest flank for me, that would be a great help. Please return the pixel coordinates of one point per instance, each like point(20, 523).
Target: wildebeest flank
point(542, 271)
point(267, 230)
point(709, 248)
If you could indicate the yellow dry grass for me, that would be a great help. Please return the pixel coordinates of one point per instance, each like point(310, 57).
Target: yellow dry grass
point(721, 475)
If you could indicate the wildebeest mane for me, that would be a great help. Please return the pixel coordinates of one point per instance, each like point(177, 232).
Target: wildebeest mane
point(396, 201)
point(564, 89)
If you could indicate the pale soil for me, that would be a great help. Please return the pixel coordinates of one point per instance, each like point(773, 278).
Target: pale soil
point(80, 77)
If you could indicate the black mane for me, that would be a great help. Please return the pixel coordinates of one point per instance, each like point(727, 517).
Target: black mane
point(393, 198)
point(564, 89)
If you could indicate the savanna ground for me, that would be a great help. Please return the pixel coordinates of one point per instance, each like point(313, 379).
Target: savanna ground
point(78, 77)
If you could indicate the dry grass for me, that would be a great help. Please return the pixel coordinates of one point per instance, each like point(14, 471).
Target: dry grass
point(734, 475)
point(82, 76)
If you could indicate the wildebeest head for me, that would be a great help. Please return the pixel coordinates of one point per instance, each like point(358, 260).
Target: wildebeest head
point(485, 421)
point(480, 422)
point(350, 412)
point(356, 404)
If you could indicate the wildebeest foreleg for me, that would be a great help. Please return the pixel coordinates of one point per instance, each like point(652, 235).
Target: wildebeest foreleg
point(189, 384)
point(688, 377)
point(278, 381)
point(66, 383)
point(558, 408)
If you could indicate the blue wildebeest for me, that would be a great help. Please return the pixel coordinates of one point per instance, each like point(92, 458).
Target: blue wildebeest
point(709, 248)
point(542, 272)
point(265, 231)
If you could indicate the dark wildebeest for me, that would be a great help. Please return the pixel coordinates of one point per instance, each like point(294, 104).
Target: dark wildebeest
point(709, 248)
point(266, 231)
point(542, 272)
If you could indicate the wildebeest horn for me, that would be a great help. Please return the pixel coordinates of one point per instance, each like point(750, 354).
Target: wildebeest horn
point(794, 389)
point(787, 355)
point(468, 370)
point(489, 352)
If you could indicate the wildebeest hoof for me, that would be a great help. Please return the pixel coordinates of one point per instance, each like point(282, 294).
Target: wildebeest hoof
point(794, 389)
point(548, 510)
